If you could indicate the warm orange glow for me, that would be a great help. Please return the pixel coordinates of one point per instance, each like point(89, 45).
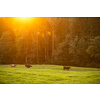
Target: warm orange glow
point(42, 35)
point(25, 19)
point(49, 33)
point(38, 32)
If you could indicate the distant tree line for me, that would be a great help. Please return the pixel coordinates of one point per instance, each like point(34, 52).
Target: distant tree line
point(51, 40)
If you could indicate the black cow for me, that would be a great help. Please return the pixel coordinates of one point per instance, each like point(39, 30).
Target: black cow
point(28, 66)
point(65, 67)
point(13, 65)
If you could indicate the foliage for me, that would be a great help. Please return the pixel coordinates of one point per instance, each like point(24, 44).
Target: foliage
point(58, 40)
point(94, 49)
point(77, 49)
point(8, 48)
point(61, 54)
point(26, 48)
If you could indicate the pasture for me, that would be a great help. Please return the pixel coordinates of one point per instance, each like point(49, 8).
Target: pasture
point(48, 74)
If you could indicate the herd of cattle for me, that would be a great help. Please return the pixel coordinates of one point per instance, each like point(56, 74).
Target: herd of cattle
point(28, 66)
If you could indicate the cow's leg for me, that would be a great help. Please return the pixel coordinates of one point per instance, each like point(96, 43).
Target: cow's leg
point(68, 68)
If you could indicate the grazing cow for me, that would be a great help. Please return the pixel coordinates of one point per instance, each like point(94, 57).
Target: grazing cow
point(13, 65)
point(66, 68)
point(28, 66)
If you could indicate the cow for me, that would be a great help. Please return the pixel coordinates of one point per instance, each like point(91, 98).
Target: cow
point(13, 65)
point(65, 67)
point(28, 66)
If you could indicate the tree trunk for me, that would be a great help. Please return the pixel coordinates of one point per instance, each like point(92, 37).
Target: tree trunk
point(45, 53)
point(47, 48)
point(53, 43)
point(37, 50)
point(26, 59)
point(26, 55)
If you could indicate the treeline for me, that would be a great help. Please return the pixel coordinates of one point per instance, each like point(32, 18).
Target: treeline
point(56, 40)
point(81, 45)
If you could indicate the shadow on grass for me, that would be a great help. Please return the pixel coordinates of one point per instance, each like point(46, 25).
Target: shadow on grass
point(1, 82)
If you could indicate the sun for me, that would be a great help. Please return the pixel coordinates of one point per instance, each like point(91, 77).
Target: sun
point(23, 18)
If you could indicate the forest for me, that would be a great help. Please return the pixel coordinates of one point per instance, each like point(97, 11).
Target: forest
point(70, 41)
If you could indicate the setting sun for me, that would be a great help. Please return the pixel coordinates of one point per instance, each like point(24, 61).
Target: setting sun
point(23, 18)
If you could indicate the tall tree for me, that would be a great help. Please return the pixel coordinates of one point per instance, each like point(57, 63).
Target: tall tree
point(54, 21)
point(94, 49)
point(8, 48)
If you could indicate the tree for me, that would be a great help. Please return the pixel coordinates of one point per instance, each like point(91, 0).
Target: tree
point(62, 30)
point(61, 54)
point(8, 51)
point(26, 47)
point(44, 40)
point(77, 49)
point(54, 21)
point(94, 49)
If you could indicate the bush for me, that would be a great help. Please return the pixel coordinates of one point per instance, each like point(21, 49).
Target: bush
point(93, 64)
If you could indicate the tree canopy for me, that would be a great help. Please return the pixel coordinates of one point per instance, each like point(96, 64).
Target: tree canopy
point(57, 40)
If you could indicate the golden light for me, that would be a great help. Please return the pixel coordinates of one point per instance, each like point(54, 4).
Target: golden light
point(38, 32)
point(43, 35)
point(49, 33)
point(24, 21)
point(23, 18)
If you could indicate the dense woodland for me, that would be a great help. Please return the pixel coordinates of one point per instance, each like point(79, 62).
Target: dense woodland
point(50, 40)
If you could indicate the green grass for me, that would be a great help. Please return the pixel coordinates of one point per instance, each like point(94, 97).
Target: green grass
point(48, 74)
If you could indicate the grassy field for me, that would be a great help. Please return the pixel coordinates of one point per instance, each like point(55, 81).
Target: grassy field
point(48, 74)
